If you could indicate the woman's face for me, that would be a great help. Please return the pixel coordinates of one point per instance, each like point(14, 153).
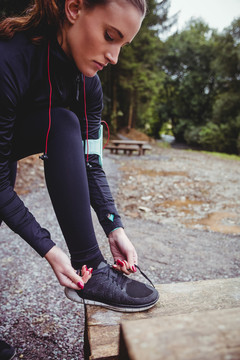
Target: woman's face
point(93, 38)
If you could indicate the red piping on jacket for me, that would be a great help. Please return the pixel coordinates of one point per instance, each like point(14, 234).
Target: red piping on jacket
point(45, 156)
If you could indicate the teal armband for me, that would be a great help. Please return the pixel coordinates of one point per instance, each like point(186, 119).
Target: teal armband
point(95, 146)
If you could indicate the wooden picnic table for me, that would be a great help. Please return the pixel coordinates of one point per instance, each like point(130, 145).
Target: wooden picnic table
point(139, 143)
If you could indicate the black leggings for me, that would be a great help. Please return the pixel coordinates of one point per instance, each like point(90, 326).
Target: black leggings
point(65, 174)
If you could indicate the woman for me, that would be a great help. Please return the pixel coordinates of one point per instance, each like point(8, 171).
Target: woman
point(51, 102)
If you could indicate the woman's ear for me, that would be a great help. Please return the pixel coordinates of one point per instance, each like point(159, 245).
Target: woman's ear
point(72, 8)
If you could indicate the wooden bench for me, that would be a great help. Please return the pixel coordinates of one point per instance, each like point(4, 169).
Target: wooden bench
point(191, 318)
point(127, 149)
point(146, 147)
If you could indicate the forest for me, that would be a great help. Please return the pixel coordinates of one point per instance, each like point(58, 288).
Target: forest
point(186, 84)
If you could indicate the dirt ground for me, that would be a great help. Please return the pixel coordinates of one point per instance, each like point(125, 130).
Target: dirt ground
point(182, 187)
point(181, 210)
point(189, 189)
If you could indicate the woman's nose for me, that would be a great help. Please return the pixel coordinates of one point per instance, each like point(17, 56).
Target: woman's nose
point(112, 55)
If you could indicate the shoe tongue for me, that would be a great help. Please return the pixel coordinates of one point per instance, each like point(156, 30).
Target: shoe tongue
point(102, 265)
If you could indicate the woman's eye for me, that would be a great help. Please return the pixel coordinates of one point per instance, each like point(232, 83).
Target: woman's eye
point(108, 37)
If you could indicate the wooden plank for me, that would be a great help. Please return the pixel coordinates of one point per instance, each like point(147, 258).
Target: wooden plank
point(128, 146)
point(129, 142)
point(175, 299)
point(124, 148)
point(205, 335)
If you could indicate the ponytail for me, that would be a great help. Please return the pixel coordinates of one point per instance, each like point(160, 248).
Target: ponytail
point(40, 18)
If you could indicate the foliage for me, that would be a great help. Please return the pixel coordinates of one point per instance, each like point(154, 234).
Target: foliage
point(201, 88)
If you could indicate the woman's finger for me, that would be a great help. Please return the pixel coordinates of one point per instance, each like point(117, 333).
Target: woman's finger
point(87, 275)
point(131, 267)
point(83, 270)
point(73, 282)
point(75, 279)
point(123, 266)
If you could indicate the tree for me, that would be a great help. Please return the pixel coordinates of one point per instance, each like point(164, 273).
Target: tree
point(131, 87)
point(188, 84)
point(226, 105)
point(201, 87)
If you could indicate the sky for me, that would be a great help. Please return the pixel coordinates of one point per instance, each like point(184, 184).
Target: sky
point(217, 14)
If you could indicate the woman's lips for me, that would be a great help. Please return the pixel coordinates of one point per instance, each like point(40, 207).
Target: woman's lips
point(99, 65)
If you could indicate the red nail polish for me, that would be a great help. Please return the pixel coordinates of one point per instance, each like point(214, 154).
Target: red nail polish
point(90, 270)
point(119, 262)
point(80, 285)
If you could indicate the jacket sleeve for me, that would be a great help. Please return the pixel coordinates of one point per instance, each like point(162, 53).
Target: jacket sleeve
point(100, 194)
point(12, 210)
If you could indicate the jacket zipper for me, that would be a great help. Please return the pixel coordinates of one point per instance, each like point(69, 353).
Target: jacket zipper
point(78, 87)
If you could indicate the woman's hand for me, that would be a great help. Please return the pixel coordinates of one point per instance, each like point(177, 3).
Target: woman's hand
point(64, 271)
point(123, 251)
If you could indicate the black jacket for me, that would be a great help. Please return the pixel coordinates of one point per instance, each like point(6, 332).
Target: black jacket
point(24, 87)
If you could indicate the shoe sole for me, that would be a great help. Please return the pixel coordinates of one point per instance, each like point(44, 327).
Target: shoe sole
point(13, 355)
point(72, 295)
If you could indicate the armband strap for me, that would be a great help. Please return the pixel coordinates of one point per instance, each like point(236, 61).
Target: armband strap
point(95, 146)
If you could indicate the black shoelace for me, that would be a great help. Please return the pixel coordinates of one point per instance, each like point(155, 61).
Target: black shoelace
point(141, 272)
point(118, 277)
point(144, 275)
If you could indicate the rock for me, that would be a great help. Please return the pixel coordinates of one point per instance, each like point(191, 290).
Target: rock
point(146, 198)
point(143, 208)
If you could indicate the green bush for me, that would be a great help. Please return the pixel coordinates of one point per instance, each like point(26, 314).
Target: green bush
point(191, 135)
point(238, 144)
point(179, 129)
point(219, 137)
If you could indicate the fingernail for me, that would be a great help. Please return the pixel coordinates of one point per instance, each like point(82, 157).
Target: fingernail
point(80, 285)
point(84, 267)
point(119, 262)
point(134, 269)
point(90, 270)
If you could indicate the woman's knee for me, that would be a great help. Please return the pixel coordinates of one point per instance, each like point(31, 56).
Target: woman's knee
point(65, 120)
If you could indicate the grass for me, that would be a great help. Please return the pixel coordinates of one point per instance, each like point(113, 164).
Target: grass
point(222, 155)
point(163, 144)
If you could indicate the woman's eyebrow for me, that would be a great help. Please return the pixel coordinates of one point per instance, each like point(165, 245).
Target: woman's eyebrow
point(119, 33)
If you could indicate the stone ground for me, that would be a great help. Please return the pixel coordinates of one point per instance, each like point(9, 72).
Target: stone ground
point(181, 209)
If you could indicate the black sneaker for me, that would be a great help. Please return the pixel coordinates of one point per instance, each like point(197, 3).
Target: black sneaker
point(7, 352)
point(113, 290)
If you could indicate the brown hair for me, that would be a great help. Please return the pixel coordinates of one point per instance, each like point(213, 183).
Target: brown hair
point(45, 16)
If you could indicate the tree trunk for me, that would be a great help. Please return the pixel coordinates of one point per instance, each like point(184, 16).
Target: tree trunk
point(130, 113)
point(114, 106)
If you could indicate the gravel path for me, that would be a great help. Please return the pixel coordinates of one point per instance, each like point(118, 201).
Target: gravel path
point(41, 322)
